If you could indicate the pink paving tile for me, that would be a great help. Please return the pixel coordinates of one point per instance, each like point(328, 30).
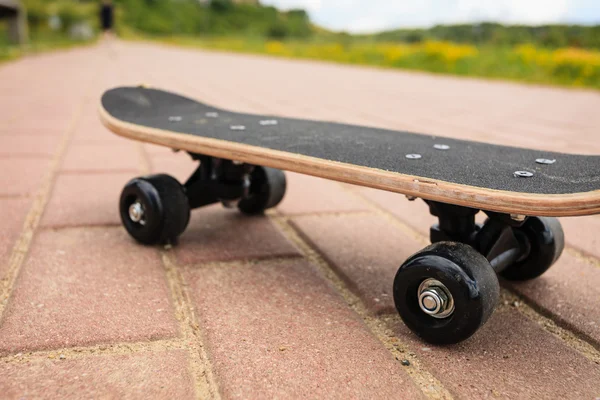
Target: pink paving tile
point(21, 175)
point(154, 149)
point(96, 133)
point(217, 234)
point(42, 125)
point(30, 146)
point(279, 331)
point(568, 292)
point(306, 194)
point(158, 375)
point(510, 357)
point(366, 250)
point(583, 233)
point(413, 213)
point(87, 286)
point(85, 199)
point(12, 216)
point(124, 156)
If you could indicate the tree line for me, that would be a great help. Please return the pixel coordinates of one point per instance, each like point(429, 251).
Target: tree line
point(224, 17)
point(549, 36)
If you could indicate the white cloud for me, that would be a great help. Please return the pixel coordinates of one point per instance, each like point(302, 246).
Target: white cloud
point(373, 15)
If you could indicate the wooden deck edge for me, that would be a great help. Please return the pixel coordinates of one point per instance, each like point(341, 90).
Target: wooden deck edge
point(574, 204)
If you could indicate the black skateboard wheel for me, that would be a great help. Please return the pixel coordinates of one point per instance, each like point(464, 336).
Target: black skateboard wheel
point(267, 188)
point(544, 240)
point(445, 292)
point(154, 209)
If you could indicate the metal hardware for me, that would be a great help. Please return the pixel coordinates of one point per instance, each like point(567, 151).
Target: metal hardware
point(523, 174)
point(435, 299)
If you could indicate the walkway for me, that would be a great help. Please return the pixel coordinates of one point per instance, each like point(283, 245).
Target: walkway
point(296, 304)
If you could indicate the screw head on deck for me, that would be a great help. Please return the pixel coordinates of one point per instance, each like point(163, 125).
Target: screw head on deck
point(237, 127)
point(175, 118)
point(266, 122)
point(523, 174)
point(212, 114)
point(441, 146)
point(544, 161)
point(413, 156)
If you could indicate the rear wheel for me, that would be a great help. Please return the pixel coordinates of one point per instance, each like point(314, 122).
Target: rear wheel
point(154, 209)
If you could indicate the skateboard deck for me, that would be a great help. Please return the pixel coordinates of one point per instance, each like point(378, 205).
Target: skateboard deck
point(465, 173)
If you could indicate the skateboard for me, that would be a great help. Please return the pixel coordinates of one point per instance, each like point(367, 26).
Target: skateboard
point(444, 292)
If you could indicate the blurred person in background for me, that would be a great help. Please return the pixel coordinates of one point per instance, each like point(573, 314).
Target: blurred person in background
point(107, 17)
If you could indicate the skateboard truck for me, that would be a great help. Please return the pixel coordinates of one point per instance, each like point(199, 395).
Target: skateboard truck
point(156, 208)
point(446, 291)
point(495, 239)
point(217, 180)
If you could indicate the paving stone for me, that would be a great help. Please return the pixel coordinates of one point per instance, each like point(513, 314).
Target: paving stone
point(279, 331)
point(154, 149)
point(159, 375)
point(12, 214)
point(81, 287)
point(510, 357)
point(568, 292)
point(102, 158)
point(307, 194)
point(20, 176)
point(582, 234)
point(217, 234)
point(21, 146)
point(85, 199)
point(96, 133)
point(413, 213)
point(366, 250)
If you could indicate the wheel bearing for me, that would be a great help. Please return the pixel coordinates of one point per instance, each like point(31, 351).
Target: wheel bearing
point(435, 298)
point(136, 213)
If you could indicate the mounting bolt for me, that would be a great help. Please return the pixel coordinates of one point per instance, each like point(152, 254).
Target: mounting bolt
point(266, 122)
point(212, 114)
point(237, 127)
point(175, 118)
point(518, 217)
point(136, 212)
point(523, 174)
point(413, 156)
point(435, 298)
point(544, 161)
point(441, 146)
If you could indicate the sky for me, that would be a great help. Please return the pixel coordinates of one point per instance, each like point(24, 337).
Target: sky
point(362, 16)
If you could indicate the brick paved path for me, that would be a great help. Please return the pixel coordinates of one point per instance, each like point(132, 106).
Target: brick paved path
point(294, 304)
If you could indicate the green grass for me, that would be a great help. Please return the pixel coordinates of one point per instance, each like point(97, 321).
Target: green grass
point(38, 43)
point(565, 67)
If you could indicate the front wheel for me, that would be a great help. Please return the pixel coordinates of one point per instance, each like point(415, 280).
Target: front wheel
point(445, 292)
point(154, 209)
